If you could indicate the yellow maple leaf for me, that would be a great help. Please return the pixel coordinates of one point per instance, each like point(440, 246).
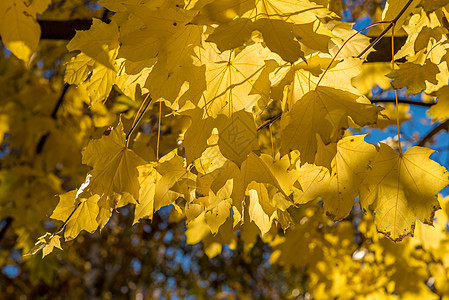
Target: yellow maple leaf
point(77, 69)
point(84, 217)
point(401, 188)
point(323, 111)
point(55, 241)
point(312, 180)
point(98, 85)
point(174, 176)
point(147, 180)
point(159, 27)
point(97, 41)
point(217, 206)
point(392, 10)
point(440, 111)
point(65, 206)
point(349, 168)
point(237, 136)
point(114, 165)
point(260, 211)
point(231, 78)
point(195, 138)
point(303, 77)
point(282, 23)
point(218, 215)
point(19, 29)
point(414, 76)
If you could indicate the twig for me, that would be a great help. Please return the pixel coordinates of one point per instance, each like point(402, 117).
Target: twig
point(392, 23)
point(8, 221)
point(404, 101)
point(159, 131)
point(138, 119)
point(41, 143)
point(269, 121)
point(433, 132)
point(342, 46)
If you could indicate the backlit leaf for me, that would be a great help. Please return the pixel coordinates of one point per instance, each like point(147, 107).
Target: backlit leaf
point(323, 111)
point(413, 76)
point(403, 188)
point(114, 165)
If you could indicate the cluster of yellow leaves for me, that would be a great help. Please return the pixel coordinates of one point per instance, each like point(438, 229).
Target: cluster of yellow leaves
point(220, 69)
point(222, 64)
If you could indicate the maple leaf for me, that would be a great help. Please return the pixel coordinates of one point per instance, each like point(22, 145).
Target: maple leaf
point(231, 77)
point(282, 24)
point(323, 111)
point(65, 206)
point(100, 83)
point(55, 241)
point(147, 181)
point(349, 168)
point(19, 29)
point(260, 210)
point(217, 206)
point(401, 188)
point(438, 112)
point(313, 180)
point(114, 165)
point(392, 9)
point(84, 217)
point(174, 175)
point(80, 217)
point(160, 25)
point(218, 215)
point(413, 76)
point(97, 41)
point(303, 77)
point(426, 33)
point(195, 138)
point(237, 136)
point(46, 243)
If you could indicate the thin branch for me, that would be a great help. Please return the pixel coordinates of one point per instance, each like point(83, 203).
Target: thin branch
point(139, 119)
point(433, 132)
point(41, 143)
point(137, 116)
point(342, 46)
point(8, 221)
point(269, 121)
point(62, 30)
point(159, 131)
point(60, 100)
point(393, 22)
point(404, 101)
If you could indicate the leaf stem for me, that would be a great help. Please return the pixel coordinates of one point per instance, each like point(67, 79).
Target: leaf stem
point(159, 131)
point(398, 125)
point(404, 101)
point(344, 44)
point(136, 122)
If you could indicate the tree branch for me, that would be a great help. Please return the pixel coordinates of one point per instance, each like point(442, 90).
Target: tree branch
point(393, 22)
point(65, 30)
point(7, 222)
point(403, 101)
point(62, 30)
point(40, 145)
point(433, 132)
